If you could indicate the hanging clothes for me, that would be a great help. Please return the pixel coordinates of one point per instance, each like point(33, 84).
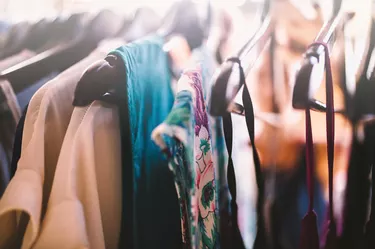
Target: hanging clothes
point(10, 113)
point(46, 122)
point(185, 138)
point(84, 208)
point(149, 99)
point(205, 58)
point(358, 187)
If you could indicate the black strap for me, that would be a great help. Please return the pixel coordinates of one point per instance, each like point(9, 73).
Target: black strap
point(370, 137)
point(236, 239)
point(260, 241)
point(228, 133)
point(369, 240)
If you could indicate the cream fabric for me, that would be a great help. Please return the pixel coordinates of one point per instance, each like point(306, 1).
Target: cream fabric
point(23, 204)
point(84, 209)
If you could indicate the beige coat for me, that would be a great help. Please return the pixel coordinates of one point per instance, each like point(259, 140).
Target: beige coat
point(23, 204)
point(84, 209)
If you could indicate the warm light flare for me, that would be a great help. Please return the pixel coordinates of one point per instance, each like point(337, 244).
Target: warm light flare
point(17, 10)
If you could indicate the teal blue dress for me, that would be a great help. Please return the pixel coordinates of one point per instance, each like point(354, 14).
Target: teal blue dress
point(148, 101)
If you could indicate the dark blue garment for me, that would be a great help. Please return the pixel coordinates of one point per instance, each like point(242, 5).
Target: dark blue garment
point(148, 101)
point(17, 145)
point(4, 27)
point(10, 145)
point(290, 206)
point(25, 96)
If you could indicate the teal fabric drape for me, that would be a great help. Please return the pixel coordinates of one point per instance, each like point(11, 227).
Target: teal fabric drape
point(148, 101)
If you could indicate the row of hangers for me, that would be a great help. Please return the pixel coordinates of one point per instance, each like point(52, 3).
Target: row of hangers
point(183, 19)
point(359, 110)
point(225, 87)
point(308, 78)
point(304, 87)
point(314, 65)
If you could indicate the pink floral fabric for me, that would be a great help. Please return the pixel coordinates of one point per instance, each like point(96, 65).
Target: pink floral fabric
point(186, 140)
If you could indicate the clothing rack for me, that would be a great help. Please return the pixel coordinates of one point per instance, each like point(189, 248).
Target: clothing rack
point(127, 131)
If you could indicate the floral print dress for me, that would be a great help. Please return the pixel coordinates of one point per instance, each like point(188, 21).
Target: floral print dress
point(185, 139)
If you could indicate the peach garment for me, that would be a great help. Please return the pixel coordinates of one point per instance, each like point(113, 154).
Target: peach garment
point(84, 209)
point(23, 204)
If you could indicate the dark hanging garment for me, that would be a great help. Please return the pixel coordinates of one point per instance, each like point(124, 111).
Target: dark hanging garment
point(358, 231)
point(290, 204)
point(12, 106)
point(9, 115)
point(17, 145)
point(369, 238)
point(357, 196)
point(356, 204)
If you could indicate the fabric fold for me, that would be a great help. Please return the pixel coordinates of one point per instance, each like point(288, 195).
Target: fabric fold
point(185, 138)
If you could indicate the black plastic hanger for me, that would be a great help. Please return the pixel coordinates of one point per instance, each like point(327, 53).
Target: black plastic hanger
point(36, 37)
point(63, 56)
point(54, 30)
point(104, 76)
point(305, 87)
point(180, 20)
point(225, 86)
point(125, 25)
point(38, 34)
point(64, 29)
point(145, 21)
point(364, 112)
point(15, 38)
point(183, 19)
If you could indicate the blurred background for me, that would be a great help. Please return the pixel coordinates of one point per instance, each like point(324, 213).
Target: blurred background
point(17, 10)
